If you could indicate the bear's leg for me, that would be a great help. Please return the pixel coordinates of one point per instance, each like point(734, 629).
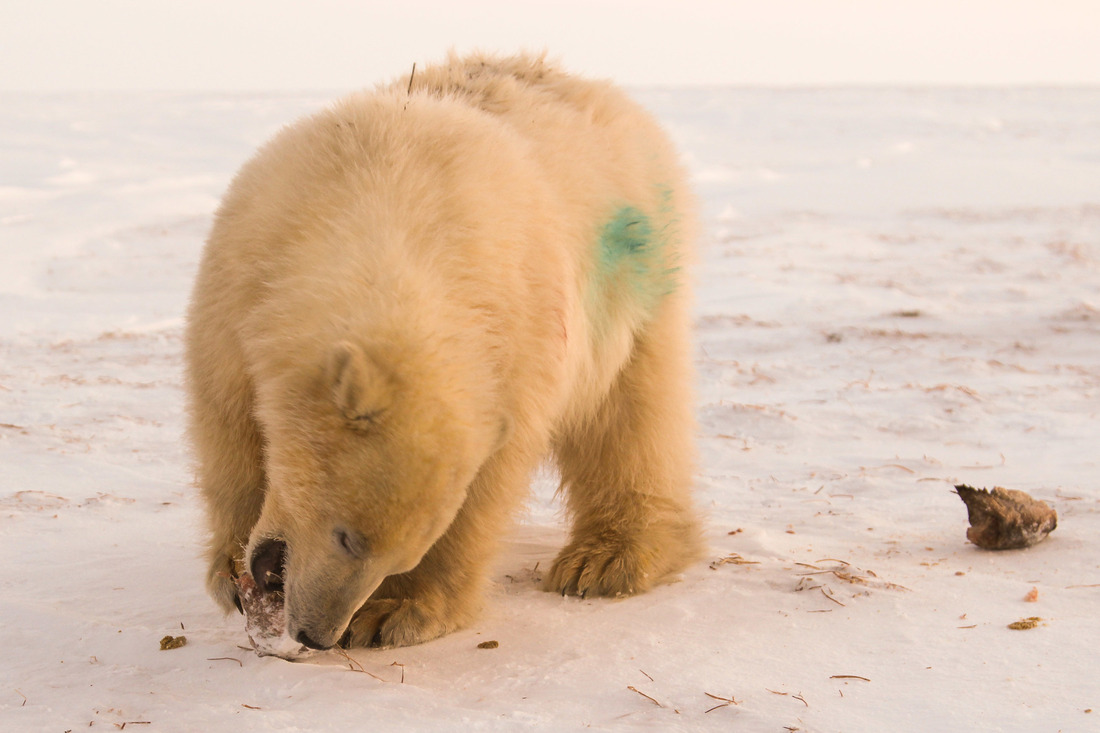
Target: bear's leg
point(627, 473)
point(444, 592)
point(229, 449)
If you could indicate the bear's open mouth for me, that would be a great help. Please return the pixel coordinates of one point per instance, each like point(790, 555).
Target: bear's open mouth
point(268, 565)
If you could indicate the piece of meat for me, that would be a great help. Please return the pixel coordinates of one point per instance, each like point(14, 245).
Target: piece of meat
point(1005, 519)
point(265, 621)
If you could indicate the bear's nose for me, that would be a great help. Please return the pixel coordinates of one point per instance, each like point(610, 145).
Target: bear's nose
point(304, 640)
point(268, 562)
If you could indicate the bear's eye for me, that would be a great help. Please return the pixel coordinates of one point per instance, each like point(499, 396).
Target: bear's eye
point(351, 542)
point(363, 422)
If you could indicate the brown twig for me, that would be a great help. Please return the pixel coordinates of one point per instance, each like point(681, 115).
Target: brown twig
point(225, 659)
point(850, 576)
point(354, 666)
point(726, 702)
point(250, 707)
point(787, 694)
point(732, 559)
point(632, 688)
point(803, 585)
point(402, 666)
point(640, 670)
point(848, 677)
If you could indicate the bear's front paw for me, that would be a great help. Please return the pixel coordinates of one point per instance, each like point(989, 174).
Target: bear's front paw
point(221, 582)
point(389, 622)
point(604, 565)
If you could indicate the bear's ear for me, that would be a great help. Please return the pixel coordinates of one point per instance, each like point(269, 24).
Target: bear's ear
point(361, 389)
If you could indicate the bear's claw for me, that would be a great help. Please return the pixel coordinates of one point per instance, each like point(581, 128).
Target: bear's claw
point(601, 567)
point(221, 583)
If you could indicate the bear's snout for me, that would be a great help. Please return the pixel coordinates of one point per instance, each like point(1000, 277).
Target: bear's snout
point(268, 563)
point(304, 639)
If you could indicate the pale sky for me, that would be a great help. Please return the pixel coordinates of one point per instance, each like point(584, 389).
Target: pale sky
point(260, 45)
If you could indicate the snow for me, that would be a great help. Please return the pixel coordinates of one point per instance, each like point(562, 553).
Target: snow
point(898, 290)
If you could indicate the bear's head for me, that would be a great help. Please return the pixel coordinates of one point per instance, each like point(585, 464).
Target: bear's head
point(369, 458)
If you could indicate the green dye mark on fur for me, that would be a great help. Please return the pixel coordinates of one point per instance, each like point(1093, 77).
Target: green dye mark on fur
point(625, 241)
point(632, 272)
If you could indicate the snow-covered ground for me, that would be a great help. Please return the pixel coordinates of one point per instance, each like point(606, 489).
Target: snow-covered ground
point(898, 291)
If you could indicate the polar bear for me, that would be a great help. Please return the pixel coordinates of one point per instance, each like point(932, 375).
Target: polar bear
point(408, 301)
